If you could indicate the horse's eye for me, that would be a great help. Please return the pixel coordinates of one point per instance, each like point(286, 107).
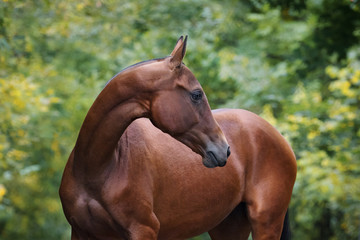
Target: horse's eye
point(196, 96)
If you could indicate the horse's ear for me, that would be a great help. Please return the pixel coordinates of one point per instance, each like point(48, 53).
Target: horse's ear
point(178, 53)
point(178, 43)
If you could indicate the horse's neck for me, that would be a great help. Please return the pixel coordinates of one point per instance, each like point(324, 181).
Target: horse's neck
point(113, 110)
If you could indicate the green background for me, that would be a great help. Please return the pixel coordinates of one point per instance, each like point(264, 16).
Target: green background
point(296, 63)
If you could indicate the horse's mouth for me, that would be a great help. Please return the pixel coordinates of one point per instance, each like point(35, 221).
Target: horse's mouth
point(211, 160)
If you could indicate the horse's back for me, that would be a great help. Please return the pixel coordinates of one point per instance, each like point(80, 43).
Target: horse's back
point(261, 149)
point(252, 133)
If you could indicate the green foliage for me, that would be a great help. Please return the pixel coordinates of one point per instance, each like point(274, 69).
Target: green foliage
point(326, 134)
point(295, 62)
point(321, 120)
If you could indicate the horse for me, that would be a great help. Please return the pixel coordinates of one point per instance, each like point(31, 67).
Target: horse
point(152, 161)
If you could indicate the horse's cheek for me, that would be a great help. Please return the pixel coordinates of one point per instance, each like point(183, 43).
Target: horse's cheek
point(162, 117)
point(165, 114)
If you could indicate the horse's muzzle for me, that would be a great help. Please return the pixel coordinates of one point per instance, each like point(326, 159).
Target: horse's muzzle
point(214, 159)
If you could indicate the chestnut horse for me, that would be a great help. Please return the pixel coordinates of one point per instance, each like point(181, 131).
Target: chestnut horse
point(136, 172)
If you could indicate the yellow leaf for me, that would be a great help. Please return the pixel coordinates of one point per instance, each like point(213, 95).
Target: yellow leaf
point(2, 192)
point(268, 114)
point(54, 100)
point(80, 6)
point(50, 91)
point(16, 154)
point(313, 134)
point(331, 71)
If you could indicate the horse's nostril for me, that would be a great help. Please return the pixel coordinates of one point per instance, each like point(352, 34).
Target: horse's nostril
point(228, 151)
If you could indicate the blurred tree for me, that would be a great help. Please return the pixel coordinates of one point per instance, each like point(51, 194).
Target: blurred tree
point(319, 117)
point(326, 134)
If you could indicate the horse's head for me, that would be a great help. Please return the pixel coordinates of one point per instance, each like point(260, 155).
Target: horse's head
point(179, 107)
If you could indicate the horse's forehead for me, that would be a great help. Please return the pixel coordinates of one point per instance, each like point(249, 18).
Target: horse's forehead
point(189, 78)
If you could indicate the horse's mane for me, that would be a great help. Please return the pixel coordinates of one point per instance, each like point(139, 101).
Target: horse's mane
point(135, 65)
